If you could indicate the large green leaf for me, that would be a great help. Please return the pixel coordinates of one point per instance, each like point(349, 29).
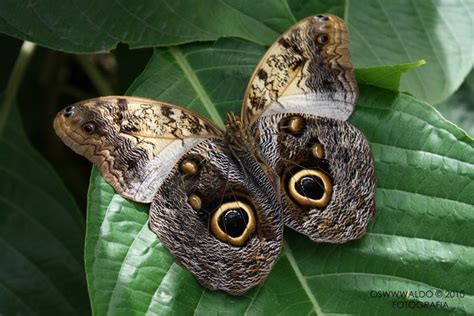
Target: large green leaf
point(419, 241)
point(91, 26)
point(382, 32)
point(397, 32)
point(405, 31)
point(41, 233)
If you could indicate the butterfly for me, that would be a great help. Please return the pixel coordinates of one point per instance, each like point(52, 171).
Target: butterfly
point(220, 198)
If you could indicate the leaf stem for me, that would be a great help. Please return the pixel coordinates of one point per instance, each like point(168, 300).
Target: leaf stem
point(100, 83)
point(24, 56)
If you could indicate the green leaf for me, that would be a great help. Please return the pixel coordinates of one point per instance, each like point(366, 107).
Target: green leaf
point(387, 77)
point(41, 233)
point(382, 32)
point(396, 32)
point(207, 78)
point(94, 26)
point(419, 241)
point(8, 54)
point(302, 9)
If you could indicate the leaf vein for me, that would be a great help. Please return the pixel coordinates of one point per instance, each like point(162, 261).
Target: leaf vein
point(301, 278)
point(195, 83)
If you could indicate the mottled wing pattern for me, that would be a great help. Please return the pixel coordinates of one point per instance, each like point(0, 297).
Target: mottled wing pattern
point(307, 70)
point(219, 200)
point(220, 220)
point(134, 142)
point(296, 105)
point(327, 175)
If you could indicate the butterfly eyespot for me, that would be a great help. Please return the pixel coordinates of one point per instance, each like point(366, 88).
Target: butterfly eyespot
point(317, 150)
point(88, 127)
point(195, 201)
point(322, 39)
point(189, 167)
point(233, 223)
point(293, 125)
point(310, 187)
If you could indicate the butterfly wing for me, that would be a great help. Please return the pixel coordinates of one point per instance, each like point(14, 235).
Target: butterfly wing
point(216, 217)
point(296, 105)
point(307, 70)
point(134, 142)
point(327, 175)
point(221, 221)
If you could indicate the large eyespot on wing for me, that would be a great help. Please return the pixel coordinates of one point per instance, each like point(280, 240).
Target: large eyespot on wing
point(326, 171)
point(307, 70)
point(222, 223)
point(134, 142)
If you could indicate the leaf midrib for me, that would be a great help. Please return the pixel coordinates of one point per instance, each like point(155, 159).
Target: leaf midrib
point(286, 251)
point(190, 74)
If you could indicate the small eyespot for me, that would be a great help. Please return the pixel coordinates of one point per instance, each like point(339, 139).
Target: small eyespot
point(293, 125)
point(317, 150)
point(189, 167)
point(322, 39)
point(233, 222)
point(310, 187)
point(195, 201)
point(88, 127)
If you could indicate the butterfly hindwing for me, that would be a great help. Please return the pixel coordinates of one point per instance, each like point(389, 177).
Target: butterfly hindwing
point(297, 101)
point(326, 172)
point(219, 217)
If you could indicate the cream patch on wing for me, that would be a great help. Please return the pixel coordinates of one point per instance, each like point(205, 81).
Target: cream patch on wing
point(312, 103)
point(142, 186)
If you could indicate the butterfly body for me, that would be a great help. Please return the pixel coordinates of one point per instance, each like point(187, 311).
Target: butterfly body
point(220, 198)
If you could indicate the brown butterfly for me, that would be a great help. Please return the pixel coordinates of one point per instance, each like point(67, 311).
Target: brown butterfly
point(219, 199)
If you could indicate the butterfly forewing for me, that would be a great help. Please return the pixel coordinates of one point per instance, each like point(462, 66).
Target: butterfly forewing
point(133, 141)
point(307, 70)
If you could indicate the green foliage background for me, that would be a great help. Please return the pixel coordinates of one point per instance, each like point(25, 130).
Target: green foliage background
point(202, 57)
